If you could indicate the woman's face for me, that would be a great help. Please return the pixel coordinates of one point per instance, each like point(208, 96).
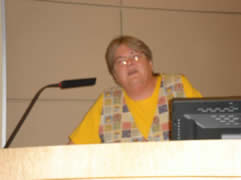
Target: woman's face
point(131, 68)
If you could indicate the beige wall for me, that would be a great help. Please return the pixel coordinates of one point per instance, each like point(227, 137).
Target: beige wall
point(49, 41)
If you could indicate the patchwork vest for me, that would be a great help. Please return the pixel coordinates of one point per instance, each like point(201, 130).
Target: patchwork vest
point(117, 123)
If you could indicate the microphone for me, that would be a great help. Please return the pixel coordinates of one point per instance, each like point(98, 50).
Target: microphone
point(77, 83)
point(63, 85)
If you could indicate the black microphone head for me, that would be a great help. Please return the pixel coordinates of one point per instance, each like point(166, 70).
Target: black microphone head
point(77, 83)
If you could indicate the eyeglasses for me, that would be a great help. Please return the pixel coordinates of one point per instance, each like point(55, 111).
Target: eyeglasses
point(124, 60)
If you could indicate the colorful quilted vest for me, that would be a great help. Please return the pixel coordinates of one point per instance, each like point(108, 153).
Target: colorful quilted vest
point(117, 123)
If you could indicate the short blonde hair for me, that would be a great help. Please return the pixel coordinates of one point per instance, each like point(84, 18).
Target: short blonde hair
point(131, 42)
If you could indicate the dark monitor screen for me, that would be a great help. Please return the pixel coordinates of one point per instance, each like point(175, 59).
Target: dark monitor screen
point(206, 118)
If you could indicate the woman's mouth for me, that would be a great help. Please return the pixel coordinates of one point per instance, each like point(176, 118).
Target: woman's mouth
point(132, 72)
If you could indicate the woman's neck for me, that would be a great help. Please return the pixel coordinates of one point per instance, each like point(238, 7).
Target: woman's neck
point(142, 91)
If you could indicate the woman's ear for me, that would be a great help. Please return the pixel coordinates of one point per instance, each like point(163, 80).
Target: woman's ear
point(150, 62)
point(114, 76)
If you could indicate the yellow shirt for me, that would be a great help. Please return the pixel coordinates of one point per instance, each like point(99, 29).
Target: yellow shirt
point(88, 131)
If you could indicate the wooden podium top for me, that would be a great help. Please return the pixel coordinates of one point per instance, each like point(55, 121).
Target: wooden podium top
point(211, 159)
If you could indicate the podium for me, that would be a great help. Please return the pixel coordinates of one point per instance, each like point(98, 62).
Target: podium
point(168, 160)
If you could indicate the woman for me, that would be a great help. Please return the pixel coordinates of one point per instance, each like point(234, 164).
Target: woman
point(136, 110)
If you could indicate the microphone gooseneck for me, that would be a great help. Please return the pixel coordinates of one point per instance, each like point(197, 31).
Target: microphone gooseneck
point(15, 131)
point(62, 84)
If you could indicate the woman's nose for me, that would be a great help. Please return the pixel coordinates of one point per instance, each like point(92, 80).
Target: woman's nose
point(131, 60)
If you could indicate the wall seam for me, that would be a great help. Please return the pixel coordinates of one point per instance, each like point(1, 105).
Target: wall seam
point(20, 100)
point(4, 78)
point(121, 18)
point(144, 8)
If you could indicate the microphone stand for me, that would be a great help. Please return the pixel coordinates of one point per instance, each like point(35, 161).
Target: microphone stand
point(63, 84)
point(15, 131)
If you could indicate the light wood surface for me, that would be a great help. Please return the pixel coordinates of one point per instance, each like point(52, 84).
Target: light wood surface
point(209, 159)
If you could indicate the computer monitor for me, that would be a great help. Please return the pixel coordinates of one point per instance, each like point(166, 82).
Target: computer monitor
point(206, 118)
